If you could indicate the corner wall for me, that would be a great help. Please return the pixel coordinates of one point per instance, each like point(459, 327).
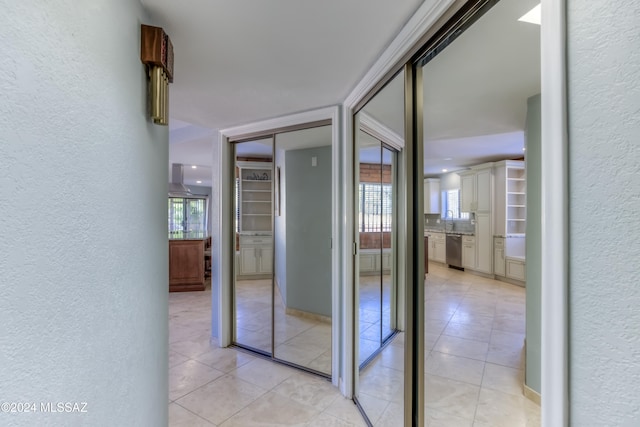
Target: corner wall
point(83, 199)
point(604, 187)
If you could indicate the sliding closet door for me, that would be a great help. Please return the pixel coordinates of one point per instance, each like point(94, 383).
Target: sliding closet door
point(379, 326)
point(302, 236)
point(253, 261)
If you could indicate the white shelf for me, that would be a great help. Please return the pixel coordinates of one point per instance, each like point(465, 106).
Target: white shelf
point(516, 179)
point(516, 192)
point(516, 206)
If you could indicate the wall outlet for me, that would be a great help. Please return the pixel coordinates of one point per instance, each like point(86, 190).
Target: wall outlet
point(437, 221)
point(314, 161)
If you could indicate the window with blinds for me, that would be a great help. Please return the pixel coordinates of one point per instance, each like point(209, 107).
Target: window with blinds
point(376, 207)
point(451, 205)
point(187, 214)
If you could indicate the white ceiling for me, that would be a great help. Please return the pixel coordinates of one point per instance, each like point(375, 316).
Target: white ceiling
point(242, 61)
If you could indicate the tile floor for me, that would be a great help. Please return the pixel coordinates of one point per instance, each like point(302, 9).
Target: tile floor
point(474, 339)
point(211, 386)
point(474, 331)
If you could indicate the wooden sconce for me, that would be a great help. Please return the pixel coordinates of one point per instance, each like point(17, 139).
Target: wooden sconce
point(156, 52)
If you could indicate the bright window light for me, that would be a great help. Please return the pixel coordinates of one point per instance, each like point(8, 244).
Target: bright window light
point(533, 16)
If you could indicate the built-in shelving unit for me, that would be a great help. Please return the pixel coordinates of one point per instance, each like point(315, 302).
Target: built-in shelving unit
point(510, 197)
point(516, 200)
point(255, 197)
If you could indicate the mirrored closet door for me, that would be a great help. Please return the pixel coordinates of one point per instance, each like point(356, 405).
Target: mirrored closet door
point(379, 320)
point(282, 290)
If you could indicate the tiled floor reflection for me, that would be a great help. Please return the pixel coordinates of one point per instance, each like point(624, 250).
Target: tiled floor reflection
point(212, 386)
point(474, 361)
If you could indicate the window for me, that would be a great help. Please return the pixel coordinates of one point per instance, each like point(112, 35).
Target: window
point(187, 214)
point(451, 205)
point(376, 207)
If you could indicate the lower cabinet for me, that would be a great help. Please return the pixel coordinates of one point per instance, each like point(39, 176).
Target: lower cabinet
point(371, 261)
point(469, 252)
point(256, 255)
point(437, 247)
point(498, 256)
point(515, 269)
point(484, 243)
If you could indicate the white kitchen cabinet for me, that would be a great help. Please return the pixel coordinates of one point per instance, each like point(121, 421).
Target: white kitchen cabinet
point(498, 257)
point(256, 255)
point(484, 243)
point(371, 261)
point(432, 196)
point(437, 246)
point(469, 252)
point(515, 269)
point(467, 191)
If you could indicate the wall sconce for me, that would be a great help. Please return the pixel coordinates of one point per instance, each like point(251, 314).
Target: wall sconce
point(156, 52)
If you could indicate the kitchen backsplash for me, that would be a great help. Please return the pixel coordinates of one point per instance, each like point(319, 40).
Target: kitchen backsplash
point(463, 225)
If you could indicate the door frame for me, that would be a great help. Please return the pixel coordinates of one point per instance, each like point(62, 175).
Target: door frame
point(225, 244)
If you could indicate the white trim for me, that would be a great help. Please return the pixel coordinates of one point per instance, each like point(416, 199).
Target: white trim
point(225, 256)
point(348, 367)
point(379, 131)
point(281, 122)
point(426, 15)
point(554, 328)
point(332, 113)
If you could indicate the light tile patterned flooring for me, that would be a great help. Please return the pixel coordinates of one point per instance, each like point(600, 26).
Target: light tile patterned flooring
point(474, 332)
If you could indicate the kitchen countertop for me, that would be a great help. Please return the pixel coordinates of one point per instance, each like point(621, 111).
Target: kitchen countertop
point(440, 230)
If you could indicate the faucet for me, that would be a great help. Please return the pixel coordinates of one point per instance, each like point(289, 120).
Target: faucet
point(449, 216)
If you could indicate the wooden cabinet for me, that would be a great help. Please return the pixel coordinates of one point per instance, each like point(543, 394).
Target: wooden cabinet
point(432, 196)
point(469, 252)
point(498, 256)
point(256, 255)
point(254, 196)
point(186, 265)
point(438, 248)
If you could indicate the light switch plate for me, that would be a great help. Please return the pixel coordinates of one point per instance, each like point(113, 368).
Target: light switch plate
point(314, 161)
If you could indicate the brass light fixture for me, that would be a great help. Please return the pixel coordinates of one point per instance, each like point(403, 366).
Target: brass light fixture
point(156, 52)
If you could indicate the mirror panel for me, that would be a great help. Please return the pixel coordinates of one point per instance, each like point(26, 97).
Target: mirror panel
point(302, 237)
point(253, 261)
point(379, 343)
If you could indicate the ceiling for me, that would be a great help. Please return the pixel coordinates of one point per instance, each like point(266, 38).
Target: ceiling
point(242, 61)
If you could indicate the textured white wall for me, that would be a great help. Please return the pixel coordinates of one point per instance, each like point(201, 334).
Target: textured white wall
point(83, 249)
point(604, 138)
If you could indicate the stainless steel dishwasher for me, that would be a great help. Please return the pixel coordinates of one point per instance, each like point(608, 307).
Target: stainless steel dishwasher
point(454, 250)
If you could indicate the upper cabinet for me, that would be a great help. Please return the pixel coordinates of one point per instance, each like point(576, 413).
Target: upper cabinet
point(432, 196)
point(510, 198)
point(254, 194)
point(476, 187)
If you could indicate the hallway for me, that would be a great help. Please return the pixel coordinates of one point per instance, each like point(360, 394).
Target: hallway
point(474, 337)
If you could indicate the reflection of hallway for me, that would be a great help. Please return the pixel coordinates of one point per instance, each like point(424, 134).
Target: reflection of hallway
point(474, 338)
point(304, 341)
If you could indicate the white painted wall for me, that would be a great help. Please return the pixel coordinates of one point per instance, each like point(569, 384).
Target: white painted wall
point(604, 175)
point(83, 252)
point(449, 181)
